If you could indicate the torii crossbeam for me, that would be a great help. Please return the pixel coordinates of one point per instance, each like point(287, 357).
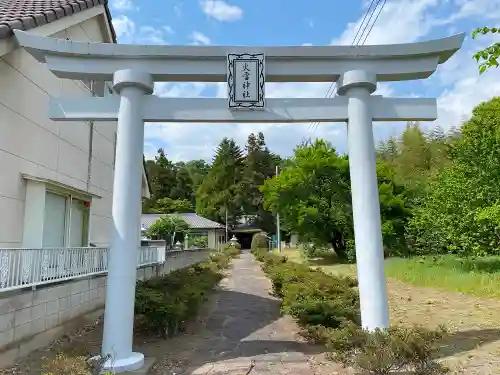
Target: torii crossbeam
point(133, 69)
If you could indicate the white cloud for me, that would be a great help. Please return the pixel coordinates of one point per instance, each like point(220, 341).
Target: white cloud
point(399, 22)
point(486, 9)
point(199, 38)
point(179, 90)
point(123, 26)
point(169, 29)
point(128, 32)
point(122, 5)
point(221, 10)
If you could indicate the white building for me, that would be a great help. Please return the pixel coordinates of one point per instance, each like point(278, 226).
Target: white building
point(56, 178)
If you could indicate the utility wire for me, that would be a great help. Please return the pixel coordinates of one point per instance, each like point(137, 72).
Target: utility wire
point(332, 89)
point(363, 21)
point(375, 21)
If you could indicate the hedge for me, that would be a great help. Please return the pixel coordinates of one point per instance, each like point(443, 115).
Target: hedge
point(327, 308)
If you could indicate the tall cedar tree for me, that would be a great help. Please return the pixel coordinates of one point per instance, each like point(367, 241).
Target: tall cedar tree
point(259, 165)
point(221, 188)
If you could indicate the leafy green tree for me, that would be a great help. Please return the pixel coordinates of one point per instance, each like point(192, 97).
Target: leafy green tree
point(487, 57)
point(312, 196)
point(394, 210)
point(175, 181)
point(220, 189)
point(167, 227)
point(458, 214)
point(162, 178)
point(197, 169)
point(170, 206)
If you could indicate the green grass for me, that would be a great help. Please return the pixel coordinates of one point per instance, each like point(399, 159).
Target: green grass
point(475, 276)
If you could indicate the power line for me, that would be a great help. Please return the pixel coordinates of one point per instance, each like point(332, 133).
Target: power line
point(363, 21)
point(368, 22)
point(333, 86)
point(375, 21)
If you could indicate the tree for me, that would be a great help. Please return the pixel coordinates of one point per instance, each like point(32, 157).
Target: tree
point(487, 57)
point(162, 178)
point(167, 227)
point(220, 190)
point(182, 186)
point(458, 214)
point(170, 206)
point(312, 196)
point(197, 170)
point(259, 165)
point(175, 181)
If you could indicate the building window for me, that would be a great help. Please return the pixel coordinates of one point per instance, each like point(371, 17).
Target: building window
point(54, 225)
point(66, 220)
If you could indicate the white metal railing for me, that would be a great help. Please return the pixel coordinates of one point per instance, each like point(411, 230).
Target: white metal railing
point(21, 268)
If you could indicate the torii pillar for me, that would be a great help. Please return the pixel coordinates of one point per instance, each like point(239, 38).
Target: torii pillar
point(358, 85)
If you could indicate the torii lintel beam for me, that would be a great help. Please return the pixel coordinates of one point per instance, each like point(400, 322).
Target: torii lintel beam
point(206, 110)
point(99, 61)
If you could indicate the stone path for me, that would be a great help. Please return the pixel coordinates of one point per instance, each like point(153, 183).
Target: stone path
point(243, 333)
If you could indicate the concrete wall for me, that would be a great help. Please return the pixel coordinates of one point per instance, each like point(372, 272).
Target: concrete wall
point(30, 320)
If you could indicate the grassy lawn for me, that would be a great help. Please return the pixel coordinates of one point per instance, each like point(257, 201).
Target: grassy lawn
point(478, 277)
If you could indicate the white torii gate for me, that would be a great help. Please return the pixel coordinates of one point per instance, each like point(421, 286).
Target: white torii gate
point(133, 69)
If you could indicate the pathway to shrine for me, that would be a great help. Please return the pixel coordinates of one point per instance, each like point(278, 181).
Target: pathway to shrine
point(243, 333)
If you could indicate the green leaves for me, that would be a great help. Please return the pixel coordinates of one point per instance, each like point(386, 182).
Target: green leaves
point(167, 226)
point(487, 57)
point(460, 213)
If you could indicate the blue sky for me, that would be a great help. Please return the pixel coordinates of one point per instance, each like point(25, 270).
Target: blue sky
point(456, 84)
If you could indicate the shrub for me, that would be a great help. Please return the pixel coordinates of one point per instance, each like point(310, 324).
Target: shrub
point(163, 304)
point(231, 250)
point(385, 351)
point(259, 241)
point(198, 241)
point(317, 251)
point(311, 296)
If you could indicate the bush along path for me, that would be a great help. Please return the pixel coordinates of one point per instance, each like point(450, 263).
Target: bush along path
point(327, 308)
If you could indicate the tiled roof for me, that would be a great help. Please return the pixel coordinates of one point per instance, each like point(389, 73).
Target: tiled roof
point(28, 14)
point(193, 220)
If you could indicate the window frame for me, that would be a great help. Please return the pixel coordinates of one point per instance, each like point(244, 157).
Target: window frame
point(69, 197)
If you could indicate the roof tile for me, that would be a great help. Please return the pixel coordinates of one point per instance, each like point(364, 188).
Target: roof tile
point(193, 220)
point(28, 14)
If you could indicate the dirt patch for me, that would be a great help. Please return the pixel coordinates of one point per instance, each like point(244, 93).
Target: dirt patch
point(473, 345)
